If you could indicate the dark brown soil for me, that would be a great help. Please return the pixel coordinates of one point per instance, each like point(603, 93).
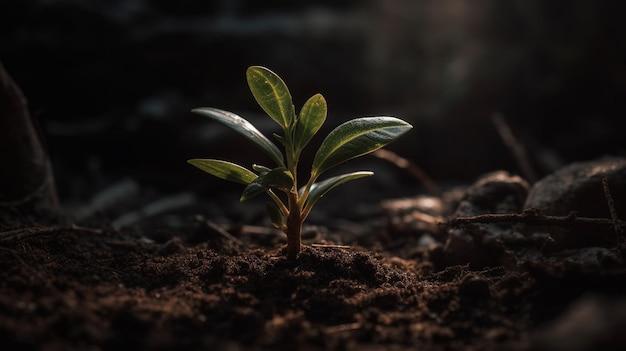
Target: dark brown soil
point(71, 288)
point(66, 288)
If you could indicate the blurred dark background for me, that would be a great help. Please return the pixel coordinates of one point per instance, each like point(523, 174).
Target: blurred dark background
point(111, 83)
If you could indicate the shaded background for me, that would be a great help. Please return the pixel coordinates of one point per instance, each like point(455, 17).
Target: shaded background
point(111, 82)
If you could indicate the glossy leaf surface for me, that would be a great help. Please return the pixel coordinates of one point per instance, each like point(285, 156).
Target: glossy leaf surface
point(224, 170)
point(271, 93)
point(355, 138)
point(253, 189)
point(278, 177)
point(321, 188)
point(245, 128)
point(260, 168)
point(311, 118)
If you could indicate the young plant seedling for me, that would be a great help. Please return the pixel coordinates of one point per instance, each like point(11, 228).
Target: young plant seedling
point(351, 139)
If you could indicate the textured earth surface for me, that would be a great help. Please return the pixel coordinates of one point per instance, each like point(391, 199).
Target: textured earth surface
point(393, 280)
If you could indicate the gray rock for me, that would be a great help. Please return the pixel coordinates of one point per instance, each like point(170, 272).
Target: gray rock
point(480, 244)
point(578, 187)
point(583, 263)
point(495, 192)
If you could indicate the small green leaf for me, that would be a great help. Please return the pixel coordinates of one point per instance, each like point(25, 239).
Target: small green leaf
point(225, 170)
point(271, 93)
point(312, 116)
point(244, 128)
point(260, 168)
point(355, 138)
point(281, 140)
point(276, 216)
point(278, 177)
point(321, 188)
point(253, 189)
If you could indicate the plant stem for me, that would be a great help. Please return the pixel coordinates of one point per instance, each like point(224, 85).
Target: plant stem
point(294, 233)
point(305, 193)
point(278, 202)
point(294, 226)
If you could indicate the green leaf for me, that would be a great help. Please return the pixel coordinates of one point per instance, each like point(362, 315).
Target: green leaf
point(253, 189)
point(271, 94)
point(225, 170)
point(260, 168)
point(312, 116)
point(281, 140)
point(244, 128)
point(278, 177)
point(321, 188)
point(355, 138)
point(276, 216)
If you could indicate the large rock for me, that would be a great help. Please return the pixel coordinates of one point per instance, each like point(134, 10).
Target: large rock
point(578, 188)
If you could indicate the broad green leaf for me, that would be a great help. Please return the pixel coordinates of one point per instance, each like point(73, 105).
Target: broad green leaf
point(271, 94)
point(278, 177)
point(312, 116)
point(321, 188)
point(244, 128)
point(225, 170)
point(357, 137)
point(276, 217)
